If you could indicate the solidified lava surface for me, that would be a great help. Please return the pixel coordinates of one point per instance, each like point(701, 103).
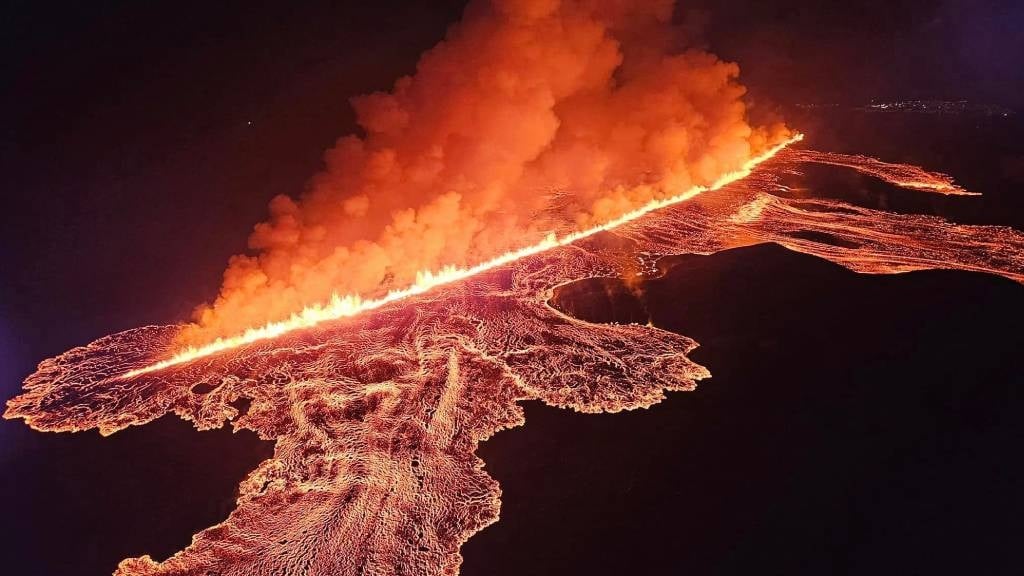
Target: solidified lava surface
point(377, 418)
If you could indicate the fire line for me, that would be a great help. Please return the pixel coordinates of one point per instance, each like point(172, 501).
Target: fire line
point(347, 306)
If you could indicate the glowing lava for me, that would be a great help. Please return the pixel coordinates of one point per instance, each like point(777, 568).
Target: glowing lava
point(903, 175)
point(352, 304)
point(377, 419)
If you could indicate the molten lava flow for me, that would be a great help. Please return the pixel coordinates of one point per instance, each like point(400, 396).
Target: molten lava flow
point(343, 307)
point(902, 175)
point(377, 418)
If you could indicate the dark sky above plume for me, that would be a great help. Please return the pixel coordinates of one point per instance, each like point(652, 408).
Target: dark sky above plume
point(851, 52)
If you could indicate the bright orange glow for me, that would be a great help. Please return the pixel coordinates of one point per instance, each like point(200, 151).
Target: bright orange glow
point(902, 175)
point(350, 305)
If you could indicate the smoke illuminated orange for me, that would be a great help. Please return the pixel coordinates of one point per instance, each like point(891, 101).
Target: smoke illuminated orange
point(530, 117)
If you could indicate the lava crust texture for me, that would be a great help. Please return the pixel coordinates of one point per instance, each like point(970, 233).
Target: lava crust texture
point(377, 418)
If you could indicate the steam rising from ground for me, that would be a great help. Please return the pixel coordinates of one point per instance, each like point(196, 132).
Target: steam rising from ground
point(532, 116)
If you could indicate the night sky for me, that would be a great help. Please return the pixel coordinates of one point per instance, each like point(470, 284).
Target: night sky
point(140, 142)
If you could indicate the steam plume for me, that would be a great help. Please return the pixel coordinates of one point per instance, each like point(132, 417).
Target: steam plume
point(532, 116)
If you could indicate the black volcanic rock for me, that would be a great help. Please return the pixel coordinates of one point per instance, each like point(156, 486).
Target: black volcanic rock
point(853, 424)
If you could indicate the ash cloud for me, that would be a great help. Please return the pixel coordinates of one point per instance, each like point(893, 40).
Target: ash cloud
point(531, 116)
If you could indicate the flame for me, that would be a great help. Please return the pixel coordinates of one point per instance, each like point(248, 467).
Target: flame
point(350, 305)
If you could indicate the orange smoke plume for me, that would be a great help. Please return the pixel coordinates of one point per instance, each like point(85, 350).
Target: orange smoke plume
point(532, 118)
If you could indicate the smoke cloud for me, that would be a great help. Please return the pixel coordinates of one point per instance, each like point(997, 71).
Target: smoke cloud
point(531, 116)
